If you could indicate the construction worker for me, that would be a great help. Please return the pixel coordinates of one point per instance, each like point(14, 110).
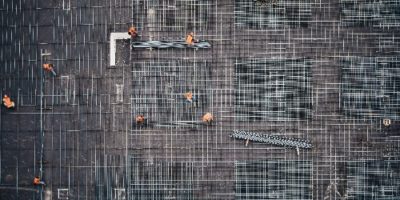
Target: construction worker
point(7, 102)
point(37, 181)
point(190, 97)
point(208, 118)
point(133, 32)
point(140, 119)
point(49, 67)
point(190, 39)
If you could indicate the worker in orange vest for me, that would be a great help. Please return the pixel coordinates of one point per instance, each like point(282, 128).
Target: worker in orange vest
point(37, 181)
point(140, 119)
point(208, 118)
point(190, 39)
point(49, 67)
point(7, 102)
point(133, 32)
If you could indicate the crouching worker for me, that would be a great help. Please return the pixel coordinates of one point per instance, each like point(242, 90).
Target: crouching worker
point(37, 181)
point(208, 118)
point(49, 67)
point(8, 103)
point(133, 32)
point(190, 39)
point(140, 119)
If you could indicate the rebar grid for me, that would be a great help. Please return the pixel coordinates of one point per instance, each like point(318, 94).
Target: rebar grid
point(382, 14)
point(371, 87)
point(373, 179)
point(278, 15)
point(159, 88)
point(279, 179)
point(273, 89)
point(160, 180)
point(89, 109)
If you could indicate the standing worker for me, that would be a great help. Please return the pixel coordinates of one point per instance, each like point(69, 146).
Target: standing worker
point(190, 97)
point(190, 39)
point(49, 67)
point(7, 102)
point(133, 32)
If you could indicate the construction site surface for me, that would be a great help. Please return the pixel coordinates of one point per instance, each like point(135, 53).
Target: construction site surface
point(287, 99)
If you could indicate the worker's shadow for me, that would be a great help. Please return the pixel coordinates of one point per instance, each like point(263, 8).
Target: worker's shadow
point(145, 124)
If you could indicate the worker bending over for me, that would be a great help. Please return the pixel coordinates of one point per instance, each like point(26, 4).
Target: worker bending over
point(140, 119)
point(133, 32)
point(190, 39)
point(208, 118)
point(7, 102)
point(49, 67)
point(37, 181)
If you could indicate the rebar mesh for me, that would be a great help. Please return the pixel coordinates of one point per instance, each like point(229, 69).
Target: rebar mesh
point(160, 180)
point(371, 87)
point(279, 14)
point(87, 112)
point(273, 89)
point(266, 179)
point(373, 179)
point(370, 13)
point(173, 15)
point(159, 85)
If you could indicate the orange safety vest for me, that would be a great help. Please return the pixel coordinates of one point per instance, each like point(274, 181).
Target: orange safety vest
point(36, 181)
point(208, 117)
point(189, 39)
point(132, 31)
point(139, 119)
point(47, 67)
point(7, 102)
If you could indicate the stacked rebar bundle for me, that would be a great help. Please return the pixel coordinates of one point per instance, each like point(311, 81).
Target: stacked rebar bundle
point(170, 44)
point(272, 139)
